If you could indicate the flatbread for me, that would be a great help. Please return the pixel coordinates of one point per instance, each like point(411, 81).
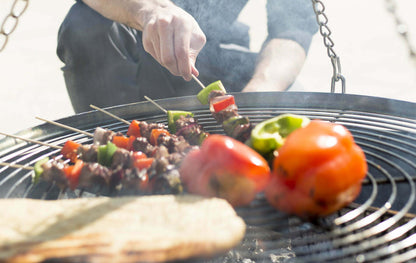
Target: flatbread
point(123, 229)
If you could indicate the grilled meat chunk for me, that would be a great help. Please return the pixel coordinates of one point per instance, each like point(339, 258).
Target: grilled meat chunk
point(141, 144)
point(102, 136)
point(53, 173)
point(189, 128)
point(133, 181)
point(94, 174)
point(168, 182)
point(242, 132)
point(225, 114)
point(122, 159)
point(88, 153)
point(216, 93)
point(146, 128)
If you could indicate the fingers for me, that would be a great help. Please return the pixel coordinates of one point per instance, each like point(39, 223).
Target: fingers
point(181, 44)
point(175, 42)
point(151, 39)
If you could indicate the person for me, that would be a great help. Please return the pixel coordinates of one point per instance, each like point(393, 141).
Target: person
point(116, 52)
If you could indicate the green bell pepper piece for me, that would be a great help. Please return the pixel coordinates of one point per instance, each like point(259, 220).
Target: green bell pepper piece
point(230, 124)
point(38, 170)
point(270, 134)
point(173, 116)
point(204, 94)
point(105, 153)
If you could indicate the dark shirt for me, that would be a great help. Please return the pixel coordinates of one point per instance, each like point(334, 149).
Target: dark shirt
point(288, 19)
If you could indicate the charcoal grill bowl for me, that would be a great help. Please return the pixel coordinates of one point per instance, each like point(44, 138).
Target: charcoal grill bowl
point(378, 226)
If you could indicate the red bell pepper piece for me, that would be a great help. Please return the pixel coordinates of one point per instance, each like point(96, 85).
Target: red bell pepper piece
point(69, 150)
point(155, 134)
point(222, 102)
point(143, 163)
point(134, 129)
point(72, 172)
point(124, 142)
point(226, 168)
point(317, 171)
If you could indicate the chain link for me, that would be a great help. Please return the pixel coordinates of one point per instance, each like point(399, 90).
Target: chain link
point(401, 28)
point(10, 22)
point(322, 20)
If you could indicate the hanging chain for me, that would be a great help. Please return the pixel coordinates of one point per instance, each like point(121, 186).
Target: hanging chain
point(322, 19)
point(10, 22)
point(401, 28)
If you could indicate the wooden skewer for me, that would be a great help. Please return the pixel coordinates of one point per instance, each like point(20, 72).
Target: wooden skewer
point(32, 141)
point(110, 114)
point(198, 81)
point(157, 105)
point(67, 127)
point(16, 166)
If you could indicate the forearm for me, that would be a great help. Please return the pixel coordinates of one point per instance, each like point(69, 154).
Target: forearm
point(129, 12)
point(280, 61)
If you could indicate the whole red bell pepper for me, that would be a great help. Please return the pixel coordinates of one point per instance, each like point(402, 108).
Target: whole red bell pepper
point(226, 168)
point(317, 171)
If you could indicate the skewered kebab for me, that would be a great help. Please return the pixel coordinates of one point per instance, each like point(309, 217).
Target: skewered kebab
point(183, 123)
point(224, 110)
point(106, 165)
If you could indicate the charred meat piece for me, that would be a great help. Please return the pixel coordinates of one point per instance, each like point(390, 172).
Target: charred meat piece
point(141, 144)
point(225, 114)
point(242, 132)
point(161, 152)
point(163, 139)
point(175, 158)
point(178, 144)
point(122, 159)
point(189, 128)
point(94, 174)
point(53, 172)
point(146, 128)
point(238, 127)
point(88, 153)
point(215, 93)
point(168, 182)
point(102, 136)
point(134, 181)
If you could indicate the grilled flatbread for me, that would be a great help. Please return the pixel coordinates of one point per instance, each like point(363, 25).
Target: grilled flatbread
point(125, 229)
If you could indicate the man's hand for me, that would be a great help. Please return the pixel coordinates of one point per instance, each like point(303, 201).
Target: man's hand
point(170, 35)
point(174, 39)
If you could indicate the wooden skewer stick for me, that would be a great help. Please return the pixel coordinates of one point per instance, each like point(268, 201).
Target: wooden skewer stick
point(198, 81)
point(32, 141)
point(16, 166)
point(67, 127)
point(157, 105)
point(110, 114)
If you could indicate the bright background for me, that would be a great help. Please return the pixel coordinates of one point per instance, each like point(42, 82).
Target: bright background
point(374, 58)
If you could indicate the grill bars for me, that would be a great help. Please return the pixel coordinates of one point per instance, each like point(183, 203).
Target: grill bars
point(378, 227)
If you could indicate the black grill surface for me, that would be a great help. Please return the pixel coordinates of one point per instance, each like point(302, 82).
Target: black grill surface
point(378, 227)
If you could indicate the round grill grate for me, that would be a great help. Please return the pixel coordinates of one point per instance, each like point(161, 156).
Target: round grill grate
point(378, 227)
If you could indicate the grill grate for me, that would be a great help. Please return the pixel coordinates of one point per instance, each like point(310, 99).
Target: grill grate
point(378, 227)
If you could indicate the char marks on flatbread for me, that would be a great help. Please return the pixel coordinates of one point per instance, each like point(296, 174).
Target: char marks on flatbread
point(124, 229)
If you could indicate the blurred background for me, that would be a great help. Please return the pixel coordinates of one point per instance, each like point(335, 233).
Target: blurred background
point(374, 57)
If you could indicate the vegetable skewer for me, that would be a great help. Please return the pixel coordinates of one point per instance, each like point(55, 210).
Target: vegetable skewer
point(110, 114)
point(32, 141)
point(18, 166)
point(109, 165)
point(66, 127)
point(198, 81)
